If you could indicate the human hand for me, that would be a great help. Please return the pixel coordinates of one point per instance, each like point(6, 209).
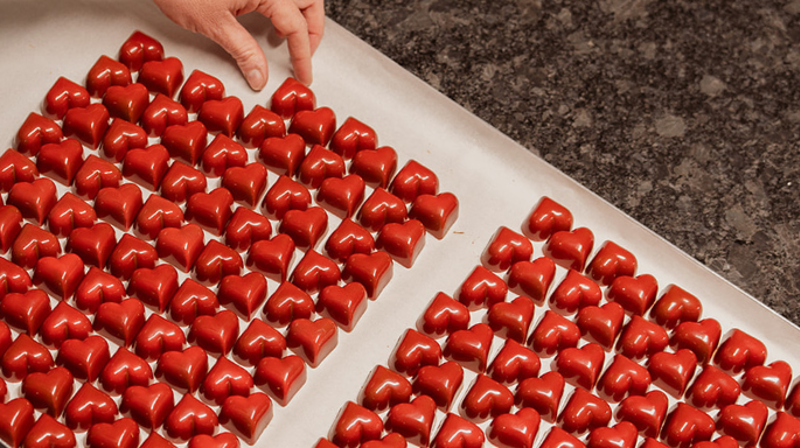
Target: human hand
point(300, 21)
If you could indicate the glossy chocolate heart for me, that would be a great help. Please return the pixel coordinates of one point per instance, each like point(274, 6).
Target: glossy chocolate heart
point(119, 321)
point(138, 49)
point(185, 142)
point(123, 433)
point(744, 423)
point(292, 96)
point(282, 155)
point(191, 300)
point(246, 417)
point(128, 102)
point(154, 286)
point(84, 359)
point(347, 239)
point(16, 419)
point(157, 336)
point(646, 412)
point(63, 96)
point(222, 116)
point(94, 175)
point(180, 246)
point(164, 76)
point(222, 153)
point(768, 383)
point(414, 351)
point(258, 341)
point(375, 166)
point(31, 244)
point(198, 88)
point(514, 363)
point(88, 407)
point(284, 195)
point(210, 211)
point(546, 219)
point(148, 405)
point(581, 366)
point(456, 432)
point(673, 371)
point(246, 293)
point(124, 370)
point(413, 420)
point(162, 113)
point(225, 379)
point(106, 72)
point(87, 124)
point(470, 348)
point(59, 276)
point(482, 289)
point(440, 382)
point(355, 425)
point(315, 126)
point(610, 262)
point(740, 351)
point(584, 411)
point(259, 125)
point(156, 214)
point(64, 322)
point(183, 370)
point(676, 306)
point(288, 303)
point(146, 166)
point(119, 206)
point(272, 257)
point(532, 278)
point(601, 324)
point(25, 311)
point(373, 271)
point(570, 249)
point(189, 418)
point(35, 132)
point(246, 183)
point(642, 338)
point(33, 199)
point(314, 272)
point(15, 167)
point(444, 316)
point(98, 287)
point(283, 377)
point(49, 433)
point(623, 378)
point(215, 262)
point(343, 304)
point(621, 435)
point(48, 390)
point(384, 389)
point(351, 137)
point(60, 161)
point(635, 294)
point(553, 334)
point(318, 165)
point(312, 340)
point(215, 334)
point(506, 248)
point(515, 430)
point(686, 426)
point(700, 337)
point(403, 242)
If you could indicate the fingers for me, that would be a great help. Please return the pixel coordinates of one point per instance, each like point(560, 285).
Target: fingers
point(240, 44)
point(314, 12)
point(290, 22)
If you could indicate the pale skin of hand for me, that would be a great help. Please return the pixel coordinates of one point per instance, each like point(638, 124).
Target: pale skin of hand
point(301, 22)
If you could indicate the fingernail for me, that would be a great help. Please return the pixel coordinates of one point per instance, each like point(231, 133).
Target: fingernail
point(256, 79)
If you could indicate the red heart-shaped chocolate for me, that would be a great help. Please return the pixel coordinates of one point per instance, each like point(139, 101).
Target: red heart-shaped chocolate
point(164, 76)
point(315, 126)
point(215, 334)
point(185, 142)
point(63, 96)
point(120, 138)
point(288, 303)
point(292, 96)
point(570, 249)
point(162, 113)
point(146, 166)
point(456, 432)
point(138, 49)
point(60, 161)
point(49, 433)
point(87, 124)
point(413, 420)
point(686, 426)
point(553, 334)
point(283, 377)
point(48, 390)
point(64, 322)
point(343, 304)
point(282, 155)
point(16, 419)
point(182, 181)
point(284, 195)
point(199, 88)
point(355, 425)
point(35, 132)
point(414, 351)
point(258, 341)
point(104, 73)
point(581, 366)
point(148, 405)
point(128, 102)
point(601, 324)
point(672, 371)
point(210, 210)
point(312, 340)
point(470, 348)
point(221, 440)
point(98, 287)
point(381, 208)
point(437, 213)
point(183, 370)
point(59, 276)
point(610, 262)
point(646, 412)
point(743, 423)
point(156, 214)
point(119, 206)
point(482, 289)
point(180, 246)
point(713, 388)
point(515, 430)
point(318, 165)
point(157, 336)
point(347, 239)
point(272, 256)
point(784, 432)
point(375, 166)
point(642, 338)
point(623, 378)
point(403, 242)
point(15, 167)
point(10, 226)
point(154, 286)
point(371, 270)
point(222, 116)
point(740, 351)
point(88, 407)
point(514, 363)
point(13, 278)
point(124, 370)
point(189, 418)
point(245, 228)
point(635, 294)
point(584, 411)
point(676, 306)
point(444, 316)
point(222, 153)
point(119, 321)
point(84, 359)
point(246, 183)
point(94, 175)
point(700, 337)
point(33, 243)
point(215, 262)
point(260, 124)
point(25, 311)
point(532, 278)
point(546, 219)
point(342, 197)
point(191, 300)
point(440, 382)
point(414, 180)
point(225, 379)
point(123, 433)
point(384, 389)
point(351, 137)
point(33, 199)
point(576, 291)
point(314, 272)
point(247, 417)
point(768, 383)
point(246, 293)
point(486, 399)
point(621, 435)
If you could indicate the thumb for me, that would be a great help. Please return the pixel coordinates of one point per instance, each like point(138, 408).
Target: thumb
point(242, 46)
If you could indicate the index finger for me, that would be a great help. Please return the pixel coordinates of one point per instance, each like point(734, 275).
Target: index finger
point(290, 22)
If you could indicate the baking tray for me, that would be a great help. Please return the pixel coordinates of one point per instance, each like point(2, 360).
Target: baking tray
point(496, 180)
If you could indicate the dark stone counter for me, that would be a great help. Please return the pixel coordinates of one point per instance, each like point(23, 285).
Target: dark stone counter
point(683, 114)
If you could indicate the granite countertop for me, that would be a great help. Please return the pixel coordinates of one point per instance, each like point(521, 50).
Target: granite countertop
point(683, 114)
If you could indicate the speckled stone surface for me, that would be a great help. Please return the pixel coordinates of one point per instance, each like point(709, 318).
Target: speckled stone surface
point(683, 114)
